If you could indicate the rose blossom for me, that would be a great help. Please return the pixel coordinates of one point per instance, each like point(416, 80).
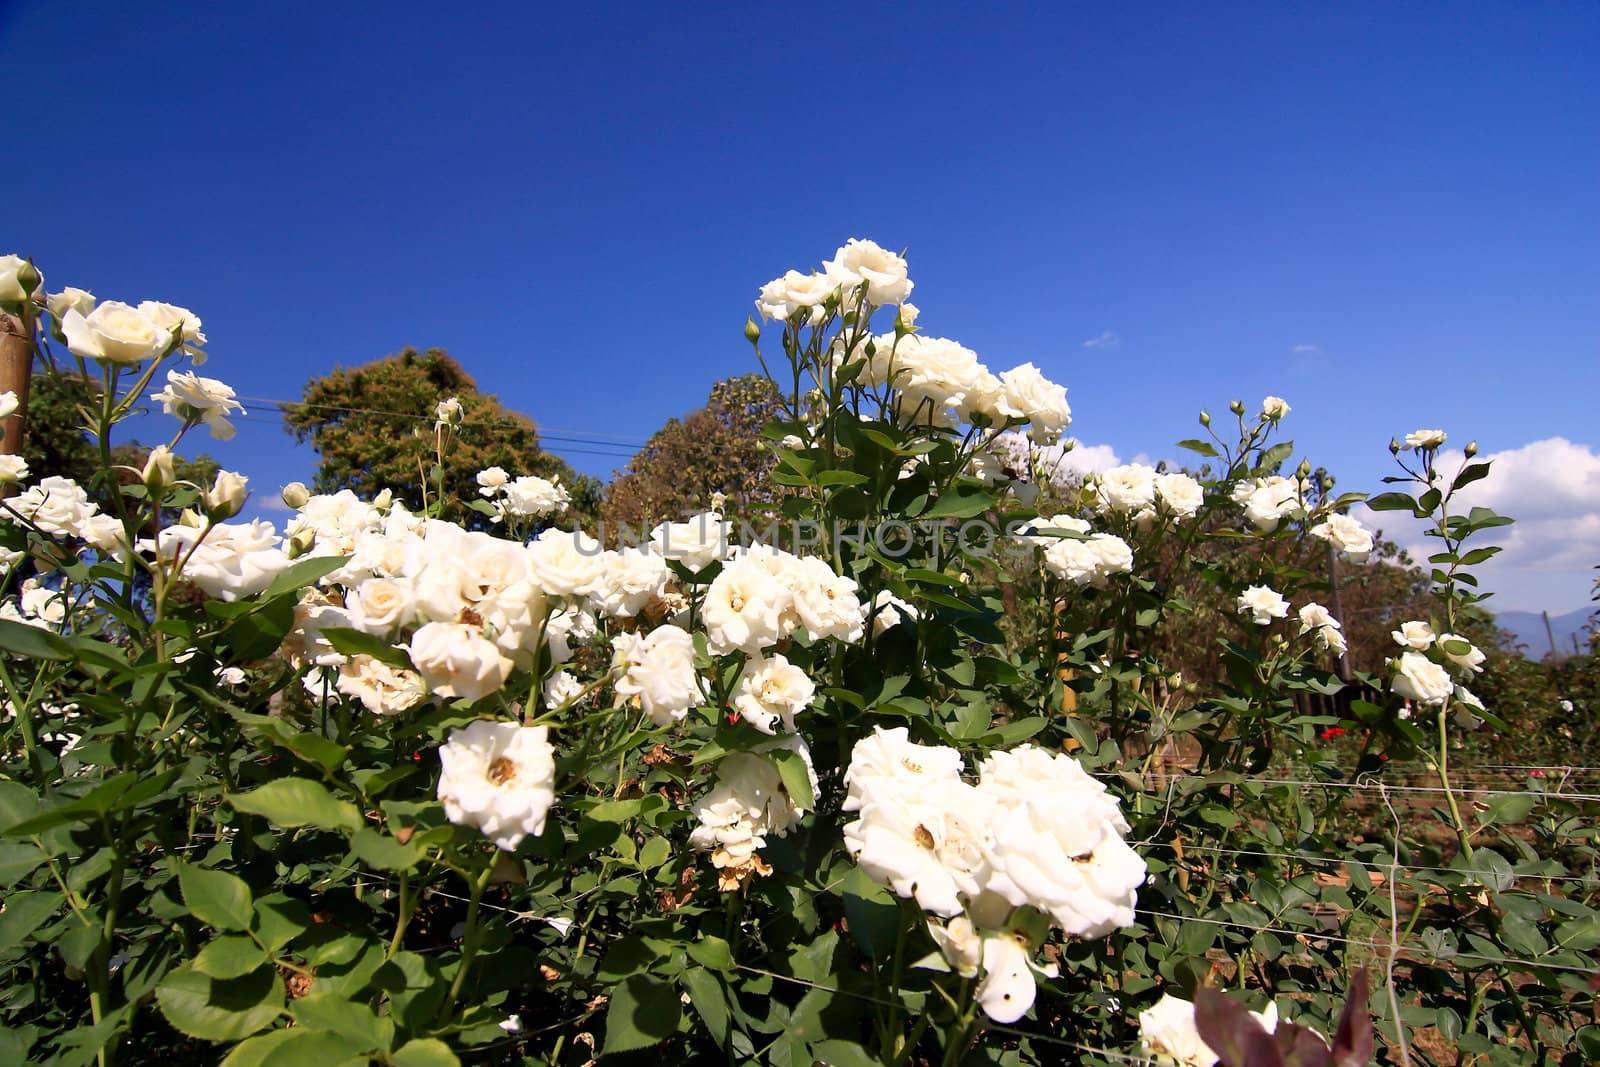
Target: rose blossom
point(1419, 678)
point(457, 662)
point(114, 333)
point(500, 778)
point(1262, 605)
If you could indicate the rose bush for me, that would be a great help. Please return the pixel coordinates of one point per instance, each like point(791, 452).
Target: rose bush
point(900, 781)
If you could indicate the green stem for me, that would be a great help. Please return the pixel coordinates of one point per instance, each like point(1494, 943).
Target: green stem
point(403, 917)
point(469, 939)
point(1444, 780)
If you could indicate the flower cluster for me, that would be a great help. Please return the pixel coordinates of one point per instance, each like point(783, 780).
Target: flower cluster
point(528, 497)
point(1036, 832)
point(1076, 554)
point(1422, 670)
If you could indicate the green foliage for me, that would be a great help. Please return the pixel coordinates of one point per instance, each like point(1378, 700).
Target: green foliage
point(373, 429)
point(713, 451)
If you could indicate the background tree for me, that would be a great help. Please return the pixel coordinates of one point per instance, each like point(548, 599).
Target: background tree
point(56, 442)
point(372, 427)
point(715, 449)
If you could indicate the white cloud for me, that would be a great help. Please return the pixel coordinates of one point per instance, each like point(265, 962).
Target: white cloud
point(1107, 339)
point(1306, 350)
point(1547, 558)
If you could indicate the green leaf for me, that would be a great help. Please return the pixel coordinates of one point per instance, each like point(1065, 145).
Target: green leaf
point(712, 951)
point(710, 1002)
point(33, 642)
point(383, 852)
point(298, 1047)
point(299, 802)
point(220, 1010)
point(302, 573)
point(873, 915)
point(1470, 473)
point(644, 1010)
point(216, 898)
point(1492, 870)
point(24, 913)
point(350, 1019)
point(1392, 502)
point(1509, 808)
point(424, 1052)
point(960, 503)
point(1194, 444)
point(354, 642)
point(229, 957)
point(796, 777)
point(836, 1052)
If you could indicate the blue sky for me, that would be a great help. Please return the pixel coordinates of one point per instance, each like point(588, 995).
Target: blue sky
point(1387, 214)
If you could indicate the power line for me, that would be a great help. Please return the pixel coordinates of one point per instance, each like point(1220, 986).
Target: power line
point(589, 436)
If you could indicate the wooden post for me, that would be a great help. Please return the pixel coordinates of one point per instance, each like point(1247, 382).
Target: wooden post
point(16, 366)
point(1345, 672)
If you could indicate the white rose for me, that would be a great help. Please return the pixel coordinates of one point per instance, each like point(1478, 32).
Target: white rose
point(772, 690)
point(1028, 394)
point(1470, 659)
point(57, 506)
point(659, 669)
point(1425, 439)
point(1262, 605)
point(533, 497)
point(1345, 534)
point(1314, 618)
point(1413, 635)
point(448, 412)
point(491, 479)
point(500, 778)
point(458, 662)
point(114, 333)
point(1274, 408)
point(959, 943)
point(889, 610)
point(1127, 488)
point(630, 580)
point(931, 844)
point(8, 404)
point(382, 689)
point(195, 399)
point(823, 602)
point(887, 762)
point(796, 295)
point(747, 803)
point(69, 299)
point(1419, 678)
point(1181, 494)
point(696, 543)
point(226, 496)
point(1168, 1030)
point(1058, 843)
point(171, 317)
point(12, 469)
point(1008, 988)
point(744, 608)
point(566, 563)
point(11, 291)
point(561, 689)
point(864, 261)
point(380, 606)
point(231, 562)
point(1268, 501)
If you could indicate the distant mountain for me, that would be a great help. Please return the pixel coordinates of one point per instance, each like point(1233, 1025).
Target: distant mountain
point(1528, 626)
